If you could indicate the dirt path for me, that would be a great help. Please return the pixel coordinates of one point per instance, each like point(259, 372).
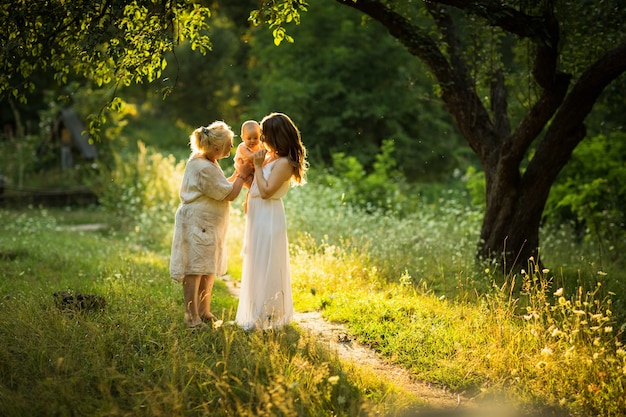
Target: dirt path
point(336, 337)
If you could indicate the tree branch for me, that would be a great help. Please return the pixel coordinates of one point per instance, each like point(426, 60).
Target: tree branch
point(567, 128)
point(534, 121)
point(506, 17)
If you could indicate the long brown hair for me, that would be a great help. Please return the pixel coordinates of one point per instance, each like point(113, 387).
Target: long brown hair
point(282, 135)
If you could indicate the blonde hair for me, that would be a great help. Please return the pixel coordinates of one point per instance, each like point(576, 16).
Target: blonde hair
point(216, 134)
point(283, 136)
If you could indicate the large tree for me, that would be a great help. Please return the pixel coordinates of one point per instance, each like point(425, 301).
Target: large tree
point(555, 56)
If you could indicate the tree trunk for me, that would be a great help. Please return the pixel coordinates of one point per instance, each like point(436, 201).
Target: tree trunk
point(510, 229)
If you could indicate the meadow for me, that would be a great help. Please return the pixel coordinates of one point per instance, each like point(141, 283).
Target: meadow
point(404, 281)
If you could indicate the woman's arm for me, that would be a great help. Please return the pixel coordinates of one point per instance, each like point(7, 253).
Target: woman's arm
point(281, 172)
point(237, 181)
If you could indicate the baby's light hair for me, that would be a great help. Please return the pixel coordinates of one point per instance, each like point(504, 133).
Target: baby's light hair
point(249, 124)
point(215, 134)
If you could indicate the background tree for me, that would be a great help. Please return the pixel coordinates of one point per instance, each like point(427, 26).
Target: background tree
point(110, 42)
point(359, 88)
point(556, 56)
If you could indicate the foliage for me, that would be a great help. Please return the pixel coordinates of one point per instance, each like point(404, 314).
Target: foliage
point(30, 158)
point(432, 239)
point(110, 43)
point(201, 88)
point(356, 90)
point(379, 189)
point(285, 12)
point(592, 192)
point(141, 191)
point(475, 183)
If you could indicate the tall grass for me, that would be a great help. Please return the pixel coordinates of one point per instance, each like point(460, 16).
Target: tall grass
point(411, 289)
point(405, 282)
point(135, 356)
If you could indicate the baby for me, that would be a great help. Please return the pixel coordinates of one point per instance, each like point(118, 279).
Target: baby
point(251, 139)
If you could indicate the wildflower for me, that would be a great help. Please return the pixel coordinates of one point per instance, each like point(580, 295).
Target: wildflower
point(545, 270)
point(601, 273)
point(558, 292)
point(593, 388)
point(531, 315)
point(608, 329)
point(546, 351)
point(579, 312)
point(333, 379)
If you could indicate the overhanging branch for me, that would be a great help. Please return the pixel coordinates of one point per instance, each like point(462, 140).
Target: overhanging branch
point(505, 17)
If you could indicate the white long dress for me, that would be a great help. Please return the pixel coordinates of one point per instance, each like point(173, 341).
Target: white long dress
point(265, 299)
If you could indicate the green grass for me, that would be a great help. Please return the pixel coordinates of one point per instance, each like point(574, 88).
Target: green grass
point(408, 286)
point(135, 356)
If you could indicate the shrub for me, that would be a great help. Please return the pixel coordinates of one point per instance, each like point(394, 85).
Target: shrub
point(379, 189)
point(142, 191)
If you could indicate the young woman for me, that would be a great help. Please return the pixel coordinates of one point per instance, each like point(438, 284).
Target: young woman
point(265, 297)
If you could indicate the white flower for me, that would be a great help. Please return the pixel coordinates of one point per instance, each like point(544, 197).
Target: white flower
point(333, 379)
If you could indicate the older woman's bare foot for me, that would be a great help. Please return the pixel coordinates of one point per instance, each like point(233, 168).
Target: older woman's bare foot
point(208, 316)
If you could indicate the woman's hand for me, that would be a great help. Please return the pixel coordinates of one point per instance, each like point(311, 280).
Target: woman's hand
point(259, 157)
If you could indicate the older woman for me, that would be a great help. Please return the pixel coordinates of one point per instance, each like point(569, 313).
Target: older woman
point(199, 243)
